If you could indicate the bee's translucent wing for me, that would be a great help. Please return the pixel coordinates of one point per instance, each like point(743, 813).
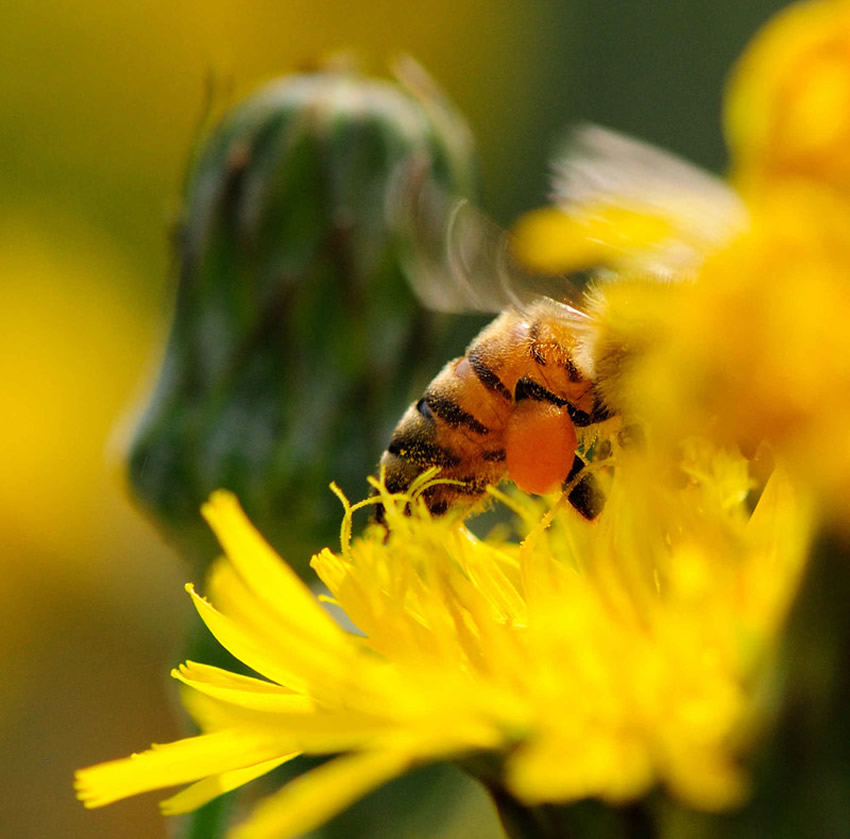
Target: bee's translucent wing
point(601, 170)
point(458, 260)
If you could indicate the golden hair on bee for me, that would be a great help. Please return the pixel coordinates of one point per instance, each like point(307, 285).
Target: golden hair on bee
point(515, 406)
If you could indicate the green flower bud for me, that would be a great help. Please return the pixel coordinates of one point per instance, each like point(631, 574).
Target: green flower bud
point(296, 342)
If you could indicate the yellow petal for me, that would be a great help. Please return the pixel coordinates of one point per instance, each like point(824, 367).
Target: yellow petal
point(173, 763)
point(205, 791)
point(321, 793)
point(311, 665)
point(708, 779)
point(265, 573)
point(551, 241)
point(212, 676)
point(245, 645)
point(781, 528)
point(239, 690)
point(293, 729)
point(555, 769)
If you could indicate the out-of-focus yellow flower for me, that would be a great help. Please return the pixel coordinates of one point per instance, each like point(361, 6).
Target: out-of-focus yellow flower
point(74, 556)
point(735, 329)
point(589, 660)
point(788, 102)
point(74, 339)
point(548, 239)
point(758, 349)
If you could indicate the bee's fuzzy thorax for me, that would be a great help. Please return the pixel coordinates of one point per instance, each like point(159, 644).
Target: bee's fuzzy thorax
point(624, 322)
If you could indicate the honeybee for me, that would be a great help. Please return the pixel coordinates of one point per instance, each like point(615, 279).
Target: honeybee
point(516, 405)
point(524, 402)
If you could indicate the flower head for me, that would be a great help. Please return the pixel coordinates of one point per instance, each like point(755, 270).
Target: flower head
point(587, 660)
point(757, 351)
point(731, 319)
point(788, 102)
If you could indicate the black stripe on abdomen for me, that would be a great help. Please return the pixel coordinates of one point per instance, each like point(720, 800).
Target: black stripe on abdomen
point(451, 413)
point(529, 389)
point(486, 376)
point(422, 452)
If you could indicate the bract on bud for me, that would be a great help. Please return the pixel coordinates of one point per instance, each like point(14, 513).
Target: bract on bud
point(295, 338)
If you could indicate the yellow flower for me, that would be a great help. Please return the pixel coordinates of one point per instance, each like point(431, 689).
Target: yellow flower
point(758, 350)
point(788, 103)
point(731, 323)
point(588, 660)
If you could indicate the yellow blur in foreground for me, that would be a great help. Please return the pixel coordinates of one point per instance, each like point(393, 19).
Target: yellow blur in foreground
point(758, 349)
point(634, 645)
point(735, 325)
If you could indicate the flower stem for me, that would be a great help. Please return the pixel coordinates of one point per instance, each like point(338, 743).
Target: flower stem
point(580, 820)
point(210, 821)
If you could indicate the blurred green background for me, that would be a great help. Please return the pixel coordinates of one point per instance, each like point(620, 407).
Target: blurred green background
point(101, 103)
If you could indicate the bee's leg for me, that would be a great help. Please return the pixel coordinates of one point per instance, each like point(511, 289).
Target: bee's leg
point(587, 497)
point(584, 491)
point(631, 437)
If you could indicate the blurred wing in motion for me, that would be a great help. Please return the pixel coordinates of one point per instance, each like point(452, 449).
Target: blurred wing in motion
point(458, 260)
point(662, 213)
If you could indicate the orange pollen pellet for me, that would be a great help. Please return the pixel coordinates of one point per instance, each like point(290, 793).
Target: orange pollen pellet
point(540, 445)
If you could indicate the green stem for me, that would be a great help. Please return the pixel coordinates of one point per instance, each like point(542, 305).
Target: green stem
point(212, 820)
point(580, 820)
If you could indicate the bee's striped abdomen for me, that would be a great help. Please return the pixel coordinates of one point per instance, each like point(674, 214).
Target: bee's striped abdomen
point(468, 422)
point(438, 430)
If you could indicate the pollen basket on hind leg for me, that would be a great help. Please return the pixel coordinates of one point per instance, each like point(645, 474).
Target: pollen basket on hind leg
point(540, 445)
